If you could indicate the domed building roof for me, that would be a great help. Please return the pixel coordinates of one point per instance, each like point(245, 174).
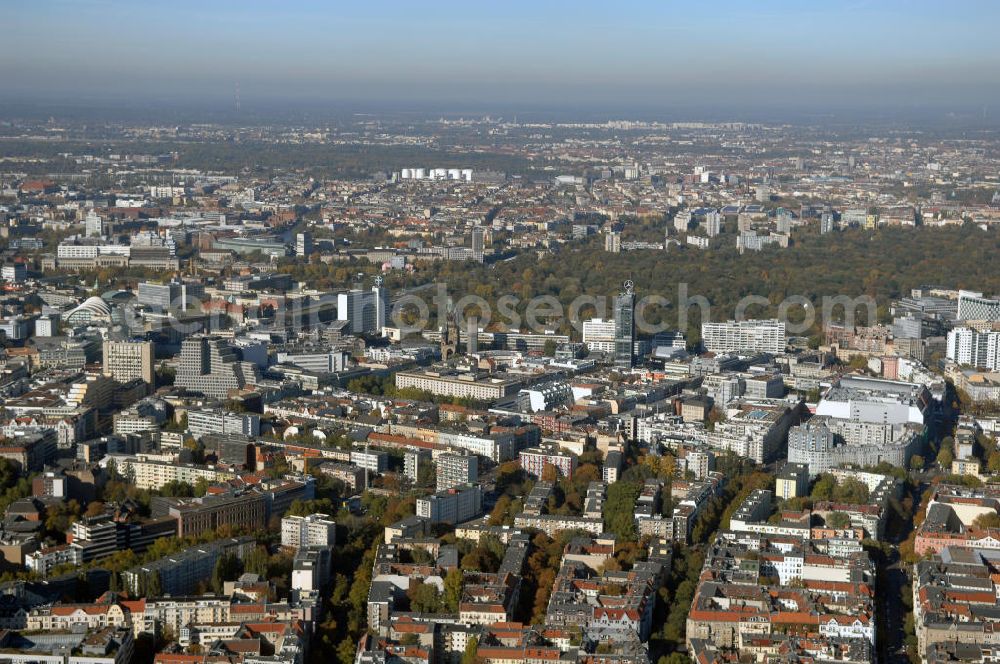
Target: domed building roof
point(91, 308)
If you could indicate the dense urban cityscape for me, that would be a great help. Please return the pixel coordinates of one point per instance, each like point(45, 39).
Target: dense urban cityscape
point(386, 386)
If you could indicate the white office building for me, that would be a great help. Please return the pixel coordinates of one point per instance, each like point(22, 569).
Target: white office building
point(756, 336)
point(303, 244)
point(545, 396)
point(318, 362)
point(376, 462)
point(47, 325)
point(973, 306)
point(873, 400)
point(202, 422)
point(93, 225)
point(15, 272)
point(599, 335)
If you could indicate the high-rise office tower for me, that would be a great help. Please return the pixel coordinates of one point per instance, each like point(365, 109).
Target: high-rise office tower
point(366, 311)
point(14, 272)
point(93, 225)
point(303, 244)
point(47, 325)
point(128, 360)
point(211, 366)
point(383, 308)
point(358, 308)
point(472, 336)
point(179, 295)
point(624, 308)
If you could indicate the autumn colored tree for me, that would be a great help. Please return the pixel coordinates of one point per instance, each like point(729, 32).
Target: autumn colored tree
point(987, 520)
point(453, 589)
point(500, 515)
point(470, 656)
point(945, 457)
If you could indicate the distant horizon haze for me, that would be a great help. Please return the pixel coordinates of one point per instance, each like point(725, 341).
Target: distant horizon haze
point(639, 57)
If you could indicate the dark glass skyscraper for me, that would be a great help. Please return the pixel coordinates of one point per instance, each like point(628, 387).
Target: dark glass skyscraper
point(624, 310)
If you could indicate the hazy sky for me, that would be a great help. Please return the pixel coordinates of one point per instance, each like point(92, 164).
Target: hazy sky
point(611, 53)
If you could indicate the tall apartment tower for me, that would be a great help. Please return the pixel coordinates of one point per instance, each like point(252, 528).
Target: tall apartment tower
point(783, 222)
point(302, 532)
point(826, 223)
point(968, 346)
point(613, 242)
point(624, 309)
point(682, 221)
point(455, 469)
point(478, 243)
point(713, 223)
point(128, 360)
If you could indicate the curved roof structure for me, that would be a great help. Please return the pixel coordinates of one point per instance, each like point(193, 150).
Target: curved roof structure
point(116, 295)
point(94, 306)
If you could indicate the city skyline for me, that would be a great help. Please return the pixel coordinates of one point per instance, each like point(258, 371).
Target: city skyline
point(555, 333)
